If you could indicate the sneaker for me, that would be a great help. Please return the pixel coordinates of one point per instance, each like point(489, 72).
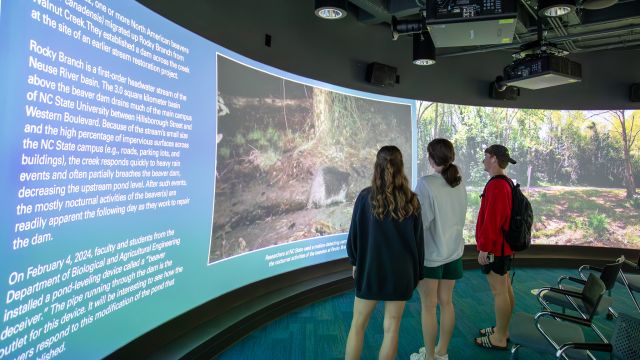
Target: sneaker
point(420, 355)
point(441, 357)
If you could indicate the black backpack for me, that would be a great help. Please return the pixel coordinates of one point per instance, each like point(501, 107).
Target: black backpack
point(519, 235)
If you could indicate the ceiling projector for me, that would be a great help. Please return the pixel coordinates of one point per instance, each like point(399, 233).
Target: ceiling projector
point(542, 70)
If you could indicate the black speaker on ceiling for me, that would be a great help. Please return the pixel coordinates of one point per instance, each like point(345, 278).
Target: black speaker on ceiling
point(634, 92)
point(381, 74)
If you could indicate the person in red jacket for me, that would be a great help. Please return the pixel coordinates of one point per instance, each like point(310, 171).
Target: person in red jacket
point(494, 252)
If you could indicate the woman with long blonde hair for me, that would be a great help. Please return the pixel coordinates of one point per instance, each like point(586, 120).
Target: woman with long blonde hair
point(385, 247)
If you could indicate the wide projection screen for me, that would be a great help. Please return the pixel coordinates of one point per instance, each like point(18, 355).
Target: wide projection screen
point(580, 169)
point(146, 171)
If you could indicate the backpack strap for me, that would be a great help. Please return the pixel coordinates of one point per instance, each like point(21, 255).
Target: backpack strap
point(504, 177)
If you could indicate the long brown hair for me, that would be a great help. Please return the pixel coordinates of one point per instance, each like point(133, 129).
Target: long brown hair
point(442, 154)
point(390, 187)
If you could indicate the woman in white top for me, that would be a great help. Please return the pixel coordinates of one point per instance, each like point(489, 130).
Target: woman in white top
point(444, 206)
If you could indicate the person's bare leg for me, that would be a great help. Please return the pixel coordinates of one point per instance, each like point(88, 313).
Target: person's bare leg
point(362, 310)
point(500, 290)
point(447, 315)
point(428, 290)
point(512, 298)
point(392, 315)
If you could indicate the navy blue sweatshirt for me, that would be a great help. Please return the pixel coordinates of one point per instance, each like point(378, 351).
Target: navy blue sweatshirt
point(388, 254)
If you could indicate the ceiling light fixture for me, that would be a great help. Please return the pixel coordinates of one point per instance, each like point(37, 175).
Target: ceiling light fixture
point(555, 8)
point(424, 51)
point(331, 9)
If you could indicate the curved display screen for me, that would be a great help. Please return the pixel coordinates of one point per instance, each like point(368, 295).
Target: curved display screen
point(580, 169)
point(146, 170)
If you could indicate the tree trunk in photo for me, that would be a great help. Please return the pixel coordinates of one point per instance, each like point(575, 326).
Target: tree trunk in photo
point(509, 119)
point(504, 133)
point(628, 170)
point(284, 106)
point(321, 112)
point(435, 123)
point(628, 174)
point(423, 136)
point(452, 119)
point(422, 109)
point(627, 142)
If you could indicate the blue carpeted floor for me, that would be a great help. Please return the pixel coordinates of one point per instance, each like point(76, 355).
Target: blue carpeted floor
point(319, 331)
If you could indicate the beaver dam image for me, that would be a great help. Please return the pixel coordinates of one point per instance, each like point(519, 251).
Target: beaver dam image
point(291, 158)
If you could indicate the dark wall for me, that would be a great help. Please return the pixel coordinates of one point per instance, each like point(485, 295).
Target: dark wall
point(338, 51)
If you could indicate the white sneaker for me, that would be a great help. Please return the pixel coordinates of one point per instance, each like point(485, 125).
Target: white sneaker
point(420, 355)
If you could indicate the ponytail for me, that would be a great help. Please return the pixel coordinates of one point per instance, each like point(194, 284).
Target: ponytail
point(442, 153)
point(451, 175)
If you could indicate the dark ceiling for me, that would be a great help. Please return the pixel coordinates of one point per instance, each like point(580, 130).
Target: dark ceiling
point(594, 25)
point(604, 41)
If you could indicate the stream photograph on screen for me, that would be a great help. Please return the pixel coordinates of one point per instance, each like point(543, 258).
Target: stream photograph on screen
point(580, 169)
